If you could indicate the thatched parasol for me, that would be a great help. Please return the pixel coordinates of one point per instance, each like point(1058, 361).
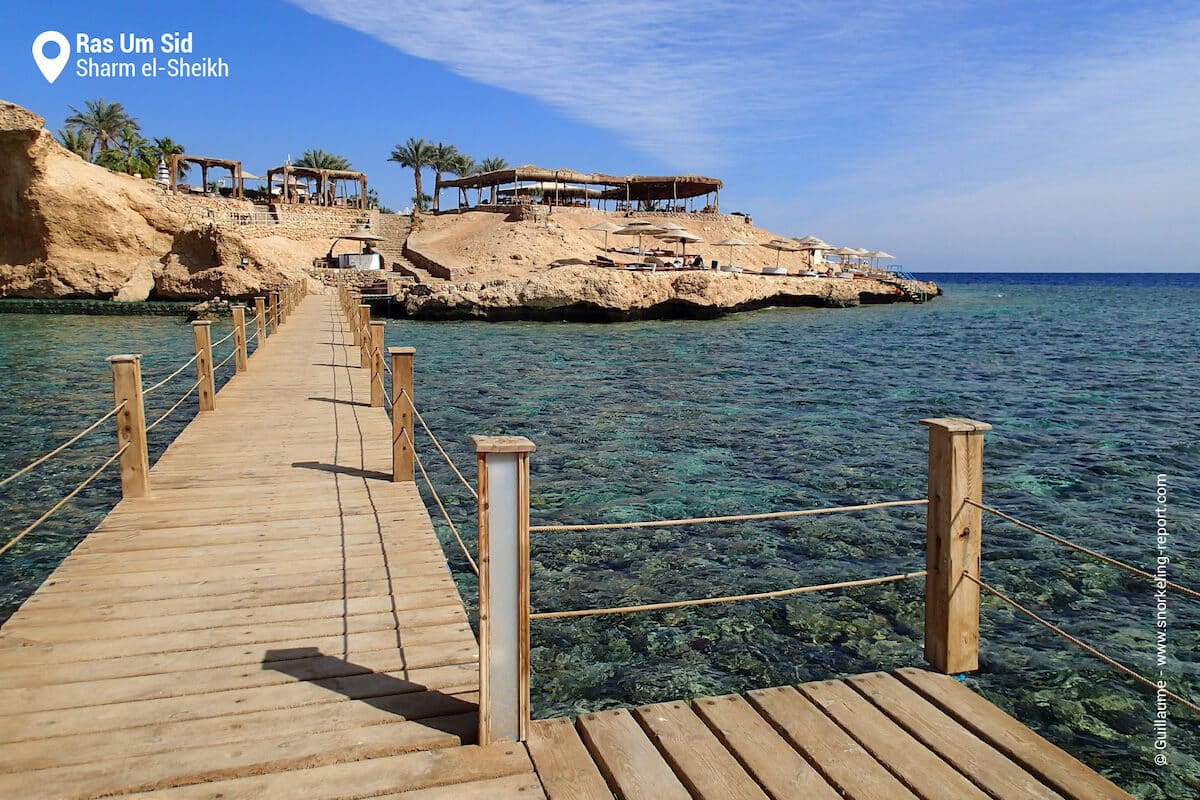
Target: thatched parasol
point(782, 246)
point(605, 226)
point(681, 236)
point(731, 243)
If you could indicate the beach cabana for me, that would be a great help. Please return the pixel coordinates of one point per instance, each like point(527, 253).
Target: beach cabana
point(327, 183)
point(205, 163)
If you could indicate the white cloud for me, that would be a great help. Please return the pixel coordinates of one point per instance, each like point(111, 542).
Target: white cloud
point(883, 124)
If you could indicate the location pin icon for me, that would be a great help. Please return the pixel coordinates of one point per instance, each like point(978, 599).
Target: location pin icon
point(51, 67)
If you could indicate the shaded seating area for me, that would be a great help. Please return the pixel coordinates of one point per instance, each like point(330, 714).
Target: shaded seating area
point(533, 185)
point(322, 187)
point(205, 163)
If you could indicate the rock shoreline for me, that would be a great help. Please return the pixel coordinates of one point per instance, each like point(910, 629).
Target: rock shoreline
point(591, 294)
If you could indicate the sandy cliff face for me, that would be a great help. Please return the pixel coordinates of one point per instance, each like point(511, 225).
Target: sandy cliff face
point(71, 229)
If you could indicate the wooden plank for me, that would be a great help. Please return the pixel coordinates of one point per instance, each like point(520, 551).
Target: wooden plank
point(840, 759)
point(706, 768)
point(997, 774)
point(368, 778)
point(165, 736)
point(253, 654)
point(273, 753)
point(1056, 767)
point(513, 787)
point(906, 758)
point(414, 664)
point(562, 762)
point(628, 760)
point(774, 763)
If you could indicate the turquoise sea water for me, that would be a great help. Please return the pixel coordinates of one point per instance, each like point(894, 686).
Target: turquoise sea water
point(1089, 382)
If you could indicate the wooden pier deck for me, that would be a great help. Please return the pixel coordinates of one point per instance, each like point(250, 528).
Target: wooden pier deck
point(276, 603)
point(277, 621)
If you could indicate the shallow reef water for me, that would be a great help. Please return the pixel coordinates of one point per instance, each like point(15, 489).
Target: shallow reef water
point(1089, 382)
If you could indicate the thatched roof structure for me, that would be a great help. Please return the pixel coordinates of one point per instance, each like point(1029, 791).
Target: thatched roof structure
point(612, 187)
point(663, 187)
point(326, 179)
point(204, 162)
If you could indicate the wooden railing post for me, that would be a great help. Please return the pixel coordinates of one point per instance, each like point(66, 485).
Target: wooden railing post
point(952, 543)
point(377, 391)
point(273, 311)
point(364, 336)
point(260, 319)
point(206, 391)
point(239, 338)
point(353, 318)
point(402, 413)
point(131, 424)
point(503, 586)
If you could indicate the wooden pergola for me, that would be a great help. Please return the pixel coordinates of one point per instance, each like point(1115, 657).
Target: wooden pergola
point(327, 181)
point(562, 183)
point(234, 167)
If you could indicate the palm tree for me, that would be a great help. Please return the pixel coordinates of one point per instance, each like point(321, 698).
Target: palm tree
point(464, 165)
point(102, 121)
point(77, 141)
point(445, 157)
point(138, 158)
point(414, 154)
point(164, 147)
point(492, 164)
point(319, 159)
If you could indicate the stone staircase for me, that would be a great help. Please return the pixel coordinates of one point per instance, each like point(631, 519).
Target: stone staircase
point(396, 228)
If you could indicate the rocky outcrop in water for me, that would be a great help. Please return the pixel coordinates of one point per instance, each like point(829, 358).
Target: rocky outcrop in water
point(597, 294)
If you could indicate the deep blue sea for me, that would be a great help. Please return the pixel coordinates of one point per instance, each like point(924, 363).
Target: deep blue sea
point(1090, 382)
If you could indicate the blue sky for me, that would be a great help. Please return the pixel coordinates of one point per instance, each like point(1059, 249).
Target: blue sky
point(958, 135)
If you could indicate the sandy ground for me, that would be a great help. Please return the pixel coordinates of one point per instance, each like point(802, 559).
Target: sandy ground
point(483, 245)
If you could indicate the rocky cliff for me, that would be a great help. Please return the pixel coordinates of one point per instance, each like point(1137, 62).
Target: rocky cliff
point(71, 229)
point(595, 294)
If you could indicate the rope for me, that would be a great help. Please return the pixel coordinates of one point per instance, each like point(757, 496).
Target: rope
point(172, 376)
point(224, 338)
point(64, 501)
point(1084, 645)
point(670, 523)
point(438, 445)
point(1087, 551)
point(438, 500)
point(63, 446)
point(171, 410)
point(707, 601)
point(228, 358)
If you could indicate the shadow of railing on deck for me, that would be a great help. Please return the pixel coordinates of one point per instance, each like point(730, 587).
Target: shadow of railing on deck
point(408, 700)
point(341, 402)
point(369, 474)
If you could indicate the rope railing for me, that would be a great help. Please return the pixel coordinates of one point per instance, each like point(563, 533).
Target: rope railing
point(1109, 660)
point(170, 377)
point(1087, 551)
point(171, 410)
point(440, 505)
point(670, 523)
point(79, 488)
point(43, 459)
point(224, 338)
point(446, 456)
point(225, 361)
point(705, 601)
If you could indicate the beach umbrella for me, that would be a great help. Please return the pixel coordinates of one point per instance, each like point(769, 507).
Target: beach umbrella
point(812, 243)
point(782, 246)
point(732, 243)
point(844, 253)
point(605, 226)
point(681, 236)
point(639, 230)
point(670, 225)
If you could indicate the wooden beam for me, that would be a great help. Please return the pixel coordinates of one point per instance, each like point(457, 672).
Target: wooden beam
point(402, 413)
point(952, 543)
point(202, 338)
point(377, 388)
point(239, 338)
point(131, 424)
